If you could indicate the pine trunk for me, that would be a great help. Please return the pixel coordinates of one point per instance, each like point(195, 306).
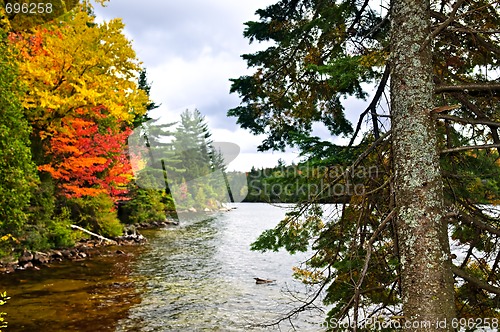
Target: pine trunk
point(427, 280)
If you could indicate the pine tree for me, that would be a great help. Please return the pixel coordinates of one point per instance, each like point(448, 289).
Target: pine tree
point(443, 111)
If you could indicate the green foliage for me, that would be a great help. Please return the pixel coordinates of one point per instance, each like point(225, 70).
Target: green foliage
point(300, 80)
point(97, 214)
point(17, 171)
point(192, 144)
point(48, 225)
point(293, 233)
point(144, 85)
point(200, 198)
point(145, 205)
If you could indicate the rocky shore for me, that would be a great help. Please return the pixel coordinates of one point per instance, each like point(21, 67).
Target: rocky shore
point(82, 250)
point(86, 249)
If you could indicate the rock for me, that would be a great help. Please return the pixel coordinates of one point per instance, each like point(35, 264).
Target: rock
point(25, 257)
point(28, 265)
point(130, 230)
point(120, 252)
point(82, 255)
point(56, 254)
point(264, 281)
point(192, 209)
point(66, 253)
point(9, 260)
point(206, 210)
point(171, 222)
point(40, 258)
point(8, 268)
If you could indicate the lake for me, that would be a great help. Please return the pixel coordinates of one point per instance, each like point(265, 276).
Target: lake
point(194, 277)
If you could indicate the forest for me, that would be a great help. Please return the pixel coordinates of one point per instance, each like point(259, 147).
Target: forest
point(419, 176)
point(72, 94)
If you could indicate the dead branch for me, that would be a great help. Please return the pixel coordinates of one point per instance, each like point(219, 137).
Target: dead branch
point(474, 280)
point(372, 107)
point(468, 121)
point(444, 24)
point(471, 147)
point(468, 87)
point(369, 249)
point(302, 308)
point(93, 234)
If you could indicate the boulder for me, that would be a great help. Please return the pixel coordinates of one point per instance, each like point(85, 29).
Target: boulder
point(27, 265)
point(56, 254)
point(40, 258)
point(25, 257)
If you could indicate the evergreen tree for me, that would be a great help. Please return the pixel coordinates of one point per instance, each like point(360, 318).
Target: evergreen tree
point(204, 166)
point(376, 253)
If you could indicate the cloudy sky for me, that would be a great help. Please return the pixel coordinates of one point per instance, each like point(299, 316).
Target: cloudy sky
point(190, 49)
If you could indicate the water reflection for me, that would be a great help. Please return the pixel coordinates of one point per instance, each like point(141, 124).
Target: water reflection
point(83, 296)
point(199, 277)
point(196, 277)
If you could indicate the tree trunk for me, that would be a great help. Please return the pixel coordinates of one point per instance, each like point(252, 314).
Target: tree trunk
point(427, 279)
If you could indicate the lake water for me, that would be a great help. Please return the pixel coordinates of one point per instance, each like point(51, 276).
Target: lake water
point(195, 277)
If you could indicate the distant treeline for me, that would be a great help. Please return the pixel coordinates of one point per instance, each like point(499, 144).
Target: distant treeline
point(297, 183)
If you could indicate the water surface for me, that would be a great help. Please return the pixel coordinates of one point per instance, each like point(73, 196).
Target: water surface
point(194, 277)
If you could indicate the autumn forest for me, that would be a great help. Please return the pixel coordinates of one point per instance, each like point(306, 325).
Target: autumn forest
point(417, 182)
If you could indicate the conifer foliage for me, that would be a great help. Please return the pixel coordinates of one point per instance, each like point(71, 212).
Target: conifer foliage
point(387, 252)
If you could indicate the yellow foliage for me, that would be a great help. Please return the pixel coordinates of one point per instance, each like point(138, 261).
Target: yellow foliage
point(77, 64)
point(308, 276)
point(375, 58)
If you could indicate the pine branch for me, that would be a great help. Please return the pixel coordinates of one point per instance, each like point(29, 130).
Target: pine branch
point(474, 280)
point(468, 121)
point(468, 87)
point(472, 147)
point(479, 224)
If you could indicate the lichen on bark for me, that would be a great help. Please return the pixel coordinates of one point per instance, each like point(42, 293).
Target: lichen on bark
point(427, 280)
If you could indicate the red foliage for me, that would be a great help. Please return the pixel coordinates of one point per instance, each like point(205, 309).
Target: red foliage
point(88, 161)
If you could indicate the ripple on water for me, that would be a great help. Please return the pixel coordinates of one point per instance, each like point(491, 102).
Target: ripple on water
point(199, 277)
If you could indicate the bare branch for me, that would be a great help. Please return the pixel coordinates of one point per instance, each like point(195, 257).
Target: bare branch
point(444, 24)
point(357, 287)
point(472, 147)
point(300, 309)
point(468, 87)
point(468, 121)
point(372, 107)
point(474, 280)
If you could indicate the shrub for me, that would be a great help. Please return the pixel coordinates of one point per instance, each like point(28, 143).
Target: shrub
point(97, 214)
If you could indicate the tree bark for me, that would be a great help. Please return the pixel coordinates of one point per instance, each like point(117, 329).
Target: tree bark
point(427, 279)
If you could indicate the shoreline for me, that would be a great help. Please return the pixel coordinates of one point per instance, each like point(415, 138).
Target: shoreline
point(86, 249)
point(82, 250)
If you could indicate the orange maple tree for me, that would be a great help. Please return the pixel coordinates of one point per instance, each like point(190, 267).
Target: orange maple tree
point(89, 159)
